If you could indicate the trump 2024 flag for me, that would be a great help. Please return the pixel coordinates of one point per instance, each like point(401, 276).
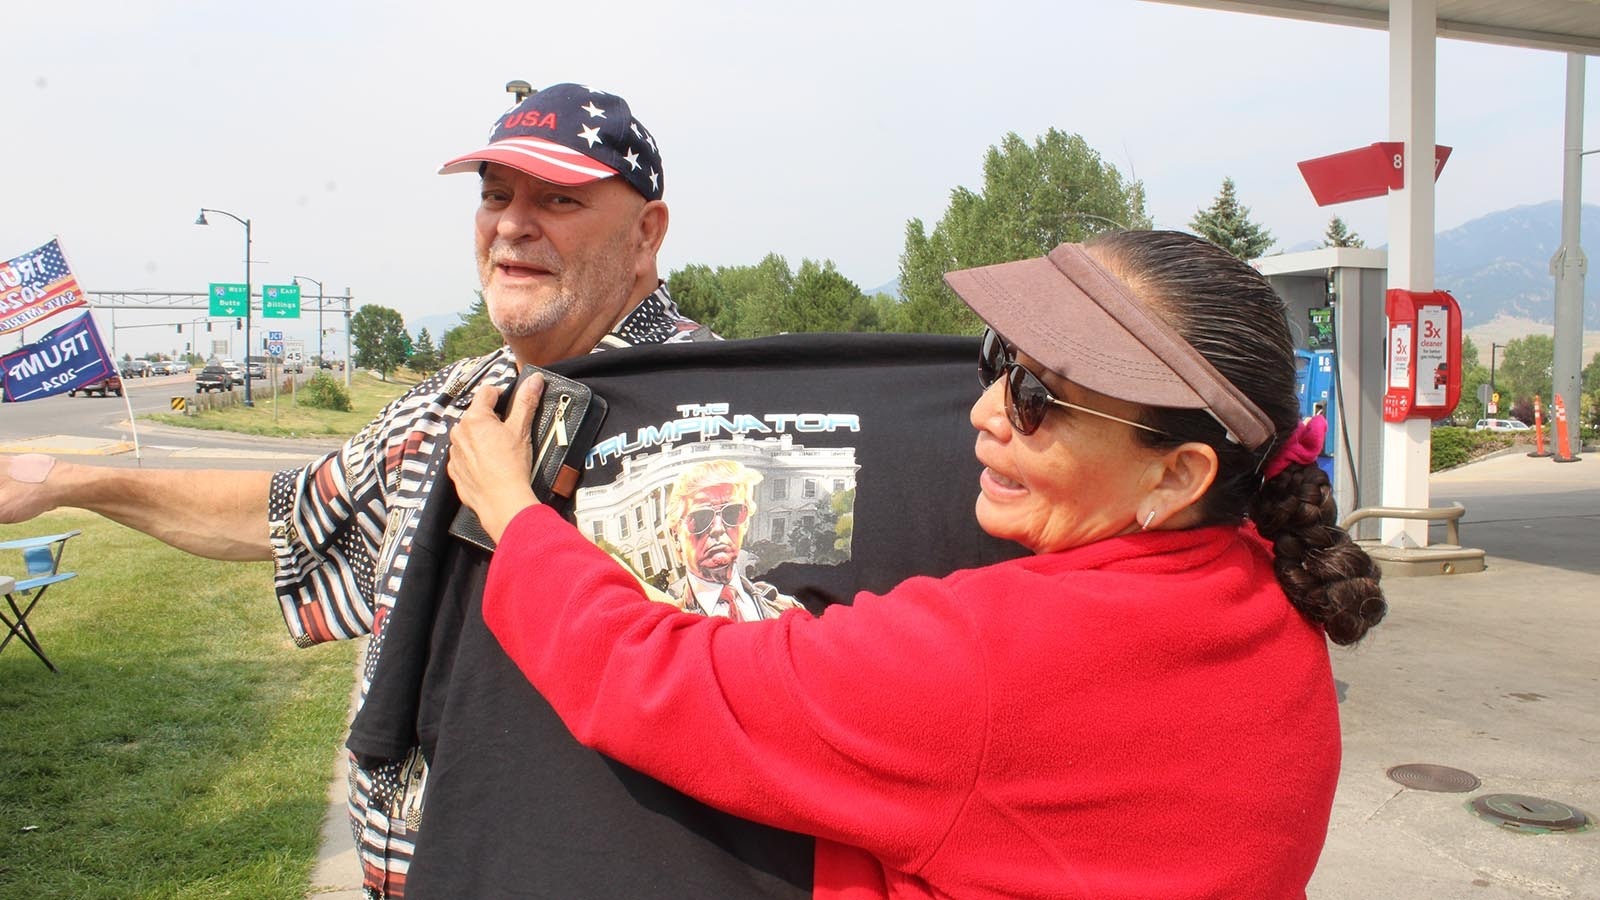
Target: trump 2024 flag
point(69, 357)
point(36, 285)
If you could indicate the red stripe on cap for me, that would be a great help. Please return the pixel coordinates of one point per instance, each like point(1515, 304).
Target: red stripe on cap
point(537, 157)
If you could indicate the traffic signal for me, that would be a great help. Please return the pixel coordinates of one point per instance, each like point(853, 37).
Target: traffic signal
point(238, 324)
point(179, 326)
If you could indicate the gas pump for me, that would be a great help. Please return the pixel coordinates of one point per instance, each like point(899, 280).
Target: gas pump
point(1333, 298)
point(1314, 384)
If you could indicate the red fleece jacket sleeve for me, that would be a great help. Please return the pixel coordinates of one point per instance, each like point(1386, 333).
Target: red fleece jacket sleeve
point(802, 722)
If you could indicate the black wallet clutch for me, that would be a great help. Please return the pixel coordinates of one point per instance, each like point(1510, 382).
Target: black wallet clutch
point(564, 428)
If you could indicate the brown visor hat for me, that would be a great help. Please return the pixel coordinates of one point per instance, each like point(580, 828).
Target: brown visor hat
point(1080, 322)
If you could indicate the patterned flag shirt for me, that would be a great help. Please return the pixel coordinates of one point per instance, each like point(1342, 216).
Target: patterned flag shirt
point(340, 529)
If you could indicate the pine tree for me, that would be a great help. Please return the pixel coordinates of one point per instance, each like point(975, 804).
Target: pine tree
point(424, 357)
point(1228, 225)
point(475, 336)
point(1339, 235)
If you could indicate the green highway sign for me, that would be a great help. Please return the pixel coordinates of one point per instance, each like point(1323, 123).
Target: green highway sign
point(229, 299)
point(280, 301)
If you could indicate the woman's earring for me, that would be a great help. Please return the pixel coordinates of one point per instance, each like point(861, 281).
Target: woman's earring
point(1147, 520)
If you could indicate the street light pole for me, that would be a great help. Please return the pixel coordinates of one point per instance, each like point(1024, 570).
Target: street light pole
point(349, 361)
point(194, 338)
point(319, 314)
point(201, 220)
point(1493, 349)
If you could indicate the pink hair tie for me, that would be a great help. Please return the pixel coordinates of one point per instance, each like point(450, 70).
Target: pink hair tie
point(1304, 443)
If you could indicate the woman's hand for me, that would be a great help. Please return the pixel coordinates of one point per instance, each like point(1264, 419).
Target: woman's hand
point(491, 462)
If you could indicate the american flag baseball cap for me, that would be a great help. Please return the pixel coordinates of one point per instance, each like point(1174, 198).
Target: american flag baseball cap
point(571, 134)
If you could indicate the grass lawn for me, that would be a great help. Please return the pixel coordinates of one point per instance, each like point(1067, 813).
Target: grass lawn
point(186, 747)
point(292, 419)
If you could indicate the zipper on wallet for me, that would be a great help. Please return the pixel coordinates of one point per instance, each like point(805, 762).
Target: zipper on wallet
point(557, 435)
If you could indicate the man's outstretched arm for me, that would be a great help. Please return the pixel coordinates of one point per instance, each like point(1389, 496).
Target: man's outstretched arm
point(215, 513)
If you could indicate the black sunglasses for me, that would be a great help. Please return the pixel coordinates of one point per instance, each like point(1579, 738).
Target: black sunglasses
point(700, 520)
point(1027, 398)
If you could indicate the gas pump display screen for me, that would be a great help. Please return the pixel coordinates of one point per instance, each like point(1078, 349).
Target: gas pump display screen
point(1319, 336)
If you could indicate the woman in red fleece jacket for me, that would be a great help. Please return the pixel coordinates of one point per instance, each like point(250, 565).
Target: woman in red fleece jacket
point(1143, 708)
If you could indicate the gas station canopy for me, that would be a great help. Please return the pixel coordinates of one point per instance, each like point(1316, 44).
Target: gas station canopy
point(1570, 26)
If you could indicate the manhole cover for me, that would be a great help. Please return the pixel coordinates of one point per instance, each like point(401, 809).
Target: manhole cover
point(1531, 814)
point(1429, 777)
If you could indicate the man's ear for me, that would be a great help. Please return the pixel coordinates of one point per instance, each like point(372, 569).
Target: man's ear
point(1185, 473)
point(652, 226)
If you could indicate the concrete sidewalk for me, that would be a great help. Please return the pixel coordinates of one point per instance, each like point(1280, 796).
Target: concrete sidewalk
point(337, 874)
point(1496, 673)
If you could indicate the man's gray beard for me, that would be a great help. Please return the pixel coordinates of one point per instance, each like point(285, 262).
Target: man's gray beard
point(583, 294)
point(525, 320)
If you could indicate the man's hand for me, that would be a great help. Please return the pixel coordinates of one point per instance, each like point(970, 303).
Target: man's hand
point(491, 462)
point(22, 490)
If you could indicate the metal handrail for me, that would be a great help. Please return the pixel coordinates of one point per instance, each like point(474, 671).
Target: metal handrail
point(1451, 515)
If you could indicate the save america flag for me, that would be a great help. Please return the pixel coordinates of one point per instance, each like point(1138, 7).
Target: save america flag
point(34, 286)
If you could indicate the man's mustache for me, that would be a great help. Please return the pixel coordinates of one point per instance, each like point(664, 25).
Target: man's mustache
point(505, 253)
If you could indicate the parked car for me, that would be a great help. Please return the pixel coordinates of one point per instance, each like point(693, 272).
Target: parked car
point(111, 384)
point(213, 378)
point(1500, 425)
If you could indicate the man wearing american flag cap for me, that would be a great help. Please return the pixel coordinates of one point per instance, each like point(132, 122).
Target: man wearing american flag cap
point(568, 228)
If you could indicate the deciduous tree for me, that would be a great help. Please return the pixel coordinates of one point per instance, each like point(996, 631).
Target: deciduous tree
point(1524, 369)
point(1034, 196)
point(378, 335)
point(768, 298)
point(1591, 392)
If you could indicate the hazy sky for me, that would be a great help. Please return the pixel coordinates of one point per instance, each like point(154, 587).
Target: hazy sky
point(814, 130)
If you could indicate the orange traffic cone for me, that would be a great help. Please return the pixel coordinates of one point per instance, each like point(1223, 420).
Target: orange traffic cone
point(1538, 429)
point(1563, 441)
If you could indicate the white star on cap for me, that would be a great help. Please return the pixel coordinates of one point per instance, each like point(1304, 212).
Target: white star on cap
point(594, 112)
point(632, 159)
point(590, 134)
point(655, 180)
point(651, 141)
point(635, 127)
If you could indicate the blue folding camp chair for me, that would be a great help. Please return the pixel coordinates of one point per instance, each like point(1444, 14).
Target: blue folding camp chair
point(41, 560)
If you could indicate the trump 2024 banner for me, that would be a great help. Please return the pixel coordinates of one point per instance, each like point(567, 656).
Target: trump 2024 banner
point(35, 285)
point(69, 357)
